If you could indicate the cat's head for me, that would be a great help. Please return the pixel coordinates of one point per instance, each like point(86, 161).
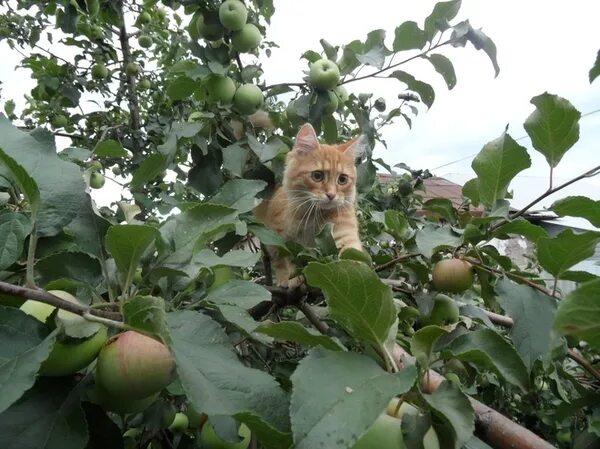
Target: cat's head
point(322, 175)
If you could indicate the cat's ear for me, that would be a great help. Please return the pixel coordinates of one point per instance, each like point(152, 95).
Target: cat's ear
point(357, 147)
point(306, 139)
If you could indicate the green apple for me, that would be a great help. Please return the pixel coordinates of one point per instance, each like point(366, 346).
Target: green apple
point(134, 366)
point(246, 39)
point(95, 165)
point(59, 121)
point(118, 404)
point(97, 180)
point(209, 26)
point(342, 94)
point(99, 72)
point(83, 27)
point(96, 32)
point(145, 84)
point(210, 439)
point(220, 89)
point(144, 18)
point(67, 355)
point(444, 311)
point(292, 113)
point(132, 69)
point(332, 105)
point(116, 170)
point(452, 275)
point(145, 41)
point(180, 423)
point(138, 277)
point(233, 14)
point(385, 433)
point(324, 74)
point(161, 13)
point(248, 99)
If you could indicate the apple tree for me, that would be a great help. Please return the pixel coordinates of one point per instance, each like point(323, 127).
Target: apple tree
point(154, 322)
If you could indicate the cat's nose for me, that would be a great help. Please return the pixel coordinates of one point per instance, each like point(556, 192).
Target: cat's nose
point(330, 195)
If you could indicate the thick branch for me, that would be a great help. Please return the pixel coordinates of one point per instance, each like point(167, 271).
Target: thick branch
point(495, 429)
point(48, 298)
point(588, 174)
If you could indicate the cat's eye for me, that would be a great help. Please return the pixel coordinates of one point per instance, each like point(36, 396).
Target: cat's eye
point(317, 175)
point(342, 179)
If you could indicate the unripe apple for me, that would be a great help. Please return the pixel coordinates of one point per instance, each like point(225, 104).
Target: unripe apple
point(385, 433)
point(59, 121)
point(210, 439)
point(332, 105)
point(95, 165)
point(134, 366)
point(145, 84)
point(233, 14)
point(99, 72)
point(220, 89)
point(132, 69)
point(397, 410)
point(145, 41)
point(342, 94)
point(116, 170)
point(67, 355)
point(180, 423)
point(97, 180)
point(209, 26)
point(452, 275)
point(246, 39)
point(324, 74)
point(144, 18)
point(444, 311)
point(248, 99)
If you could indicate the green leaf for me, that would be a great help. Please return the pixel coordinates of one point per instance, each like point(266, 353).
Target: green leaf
point(240, 194)
point(431, 239)
point(24, 344)
point(69, 265)
point(482, 42)
point(217, 383)
point(488, 350)
point(397, 224)
point(444, 67)
point(557, 254)
point(423, 341)
point(267, 151)
point(553, 126)
point(357, 299)
point(149, 169)
point(110, 149)
point(424, 90)
point(325, 242)
point(88, 230)
point(374, 50)
point(24, 182)
point(60, 183)
point(578, 206)
point(595, 70)
point(330, 50)
point(181, 88)
point(579, 314)
point(496, 165)
point(49, 416)
point(520, 226)
point(127, 244)
point(470, 190)
point(295, 332)
point(452, 408)
point(14, 227)
point(241, 319)
point(104, 432)
point(182, 232)
point(234, 159)
point(240, 293)
point(146, 313)
point(234, 258)
point(527, 306)
point(442, 13)
point(356, 254)
point(332, 408)
point(408, 36)
point(442, 207)
point(75, 326)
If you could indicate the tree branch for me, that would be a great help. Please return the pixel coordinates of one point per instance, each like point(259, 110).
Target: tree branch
point(393, 262)
point(495, 428)
point(48, 298)
point(588, 174)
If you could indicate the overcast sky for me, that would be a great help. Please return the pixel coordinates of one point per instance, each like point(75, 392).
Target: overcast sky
point(543, 45)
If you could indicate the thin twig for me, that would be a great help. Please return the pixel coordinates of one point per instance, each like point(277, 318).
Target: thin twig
point(48, 298)
point(29, 274)
point(311, 316)
point(393, 262)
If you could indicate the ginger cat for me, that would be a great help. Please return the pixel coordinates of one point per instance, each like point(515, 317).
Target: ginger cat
point(319, 186)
